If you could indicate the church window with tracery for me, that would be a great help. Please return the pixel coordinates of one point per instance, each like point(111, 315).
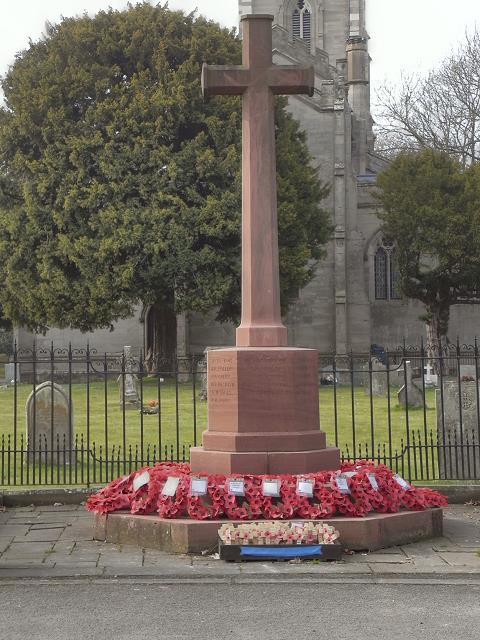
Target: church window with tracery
point(302, 21)
point(387, 275)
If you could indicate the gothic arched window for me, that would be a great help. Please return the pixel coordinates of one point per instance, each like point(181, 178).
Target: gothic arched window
point(302, 21)
point(386, 271)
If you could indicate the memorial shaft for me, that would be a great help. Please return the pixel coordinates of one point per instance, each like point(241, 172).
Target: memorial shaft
point(258, 80)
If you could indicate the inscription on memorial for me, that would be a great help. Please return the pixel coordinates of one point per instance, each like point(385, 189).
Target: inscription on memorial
point(221, 380)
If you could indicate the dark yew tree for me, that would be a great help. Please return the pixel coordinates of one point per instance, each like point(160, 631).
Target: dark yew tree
point(120, 186)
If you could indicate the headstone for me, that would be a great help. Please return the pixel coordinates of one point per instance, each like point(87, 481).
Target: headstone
point(49, 420)
point(457, 430)
point(410, 393)
point(328, 377)
point(468, 371)
point(12, 371)
point(128, 383)
point(202, 376)
point(431, 379)
point(379, 380)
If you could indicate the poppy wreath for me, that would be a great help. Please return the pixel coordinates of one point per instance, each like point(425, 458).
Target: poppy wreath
point(210, 506)
point(386, 495)
point(284, 507)
point(235, 507)
point(114, 497)
point(175, 506)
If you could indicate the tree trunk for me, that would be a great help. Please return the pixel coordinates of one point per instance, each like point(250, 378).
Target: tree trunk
point(161, 339)
point(438, 317)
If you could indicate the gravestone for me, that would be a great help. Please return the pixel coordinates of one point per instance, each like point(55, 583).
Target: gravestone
point(431, 379)
point(457, 430)
point(410, 393)
point(202, 375)
point(379, 381)
point(468, 371)
point(128, 383)
point(11, 373)
point(49, 424)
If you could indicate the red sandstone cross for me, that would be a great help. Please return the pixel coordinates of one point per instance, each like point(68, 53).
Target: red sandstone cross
point(258, 80)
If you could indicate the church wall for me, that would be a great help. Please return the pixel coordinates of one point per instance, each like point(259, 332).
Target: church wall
point(127, 332)
point(336, 28)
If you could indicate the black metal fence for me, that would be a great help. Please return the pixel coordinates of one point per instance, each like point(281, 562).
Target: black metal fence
point(77, 417)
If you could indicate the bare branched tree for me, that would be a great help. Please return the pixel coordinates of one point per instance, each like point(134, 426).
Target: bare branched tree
point(440, 111)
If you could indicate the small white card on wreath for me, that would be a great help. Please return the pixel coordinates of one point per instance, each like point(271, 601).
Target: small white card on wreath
point(373, 482)
point(141, 480)
point(170, 487)
point(271, 488)
point(342, 484)
point(305, 487)
point(402, 483)
point(236, 487)
point(198, 486)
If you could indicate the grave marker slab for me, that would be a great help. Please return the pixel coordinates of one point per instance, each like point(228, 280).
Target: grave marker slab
point(457, 425)
point(127, 383)
point(410, 393)
point(49, 424)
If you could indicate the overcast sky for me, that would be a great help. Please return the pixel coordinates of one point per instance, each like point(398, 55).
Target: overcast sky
point(405, 35)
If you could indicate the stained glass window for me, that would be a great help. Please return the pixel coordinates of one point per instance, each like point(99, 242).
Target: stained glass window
point(381, 289)
point(302, 21)
point(386, 271)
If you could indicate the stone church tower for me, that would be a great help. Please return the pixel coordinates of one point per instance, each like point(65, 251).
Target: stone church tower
point(334, 312)
point(353, 301)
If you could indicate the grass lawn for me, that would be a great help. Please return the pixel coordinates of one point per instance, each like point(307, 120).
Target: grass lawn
point(181, 422)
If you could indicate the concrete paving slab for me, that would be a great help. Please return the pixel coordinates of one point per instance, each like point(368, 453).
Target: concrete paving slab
point(22, 521)
point(461, 559)
point(29, 547)
point(13, 530)
point(398, 558)
point(57, 518)
point(5, 542)
point(431, 561)
point(20, 563)
point(59, 508)
point(71, 534)
point(41, 535)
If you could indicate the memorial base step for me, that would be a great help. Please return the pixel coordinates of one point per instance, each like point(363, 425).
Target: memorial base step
point(375, 531)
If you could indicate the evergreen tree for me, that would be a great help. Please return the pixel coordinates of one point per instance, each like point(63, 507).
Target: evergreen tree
point(431, 210)
point(120, 186)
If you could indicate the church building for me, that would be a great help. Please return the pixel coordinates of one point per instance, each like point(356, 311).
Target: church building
point(353, 301)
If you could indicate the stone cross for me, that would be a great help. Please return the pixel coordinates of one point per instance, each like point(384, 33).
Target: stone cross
point(258, 80)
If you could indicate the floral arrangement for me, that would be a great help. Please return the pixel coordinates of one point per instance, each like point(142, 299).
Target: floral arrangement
point(259, 533)
point(170, 490)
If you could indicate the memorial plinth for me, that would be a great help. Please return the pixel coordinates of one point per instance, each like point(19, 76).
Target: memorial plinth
point(263, 414)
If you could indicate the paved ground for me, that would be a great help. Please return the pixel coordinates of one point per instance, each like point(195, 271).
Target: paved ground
point(136, 611)
point(56, 542)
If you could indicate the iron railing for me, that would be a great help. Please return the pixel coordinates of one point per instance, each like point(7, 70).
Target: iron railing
point(76, 417)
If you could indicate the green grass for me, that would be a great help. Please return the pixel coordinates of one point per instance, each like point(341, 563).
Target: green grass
point(174, 427)
point(367, 415)
point(114, 427)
